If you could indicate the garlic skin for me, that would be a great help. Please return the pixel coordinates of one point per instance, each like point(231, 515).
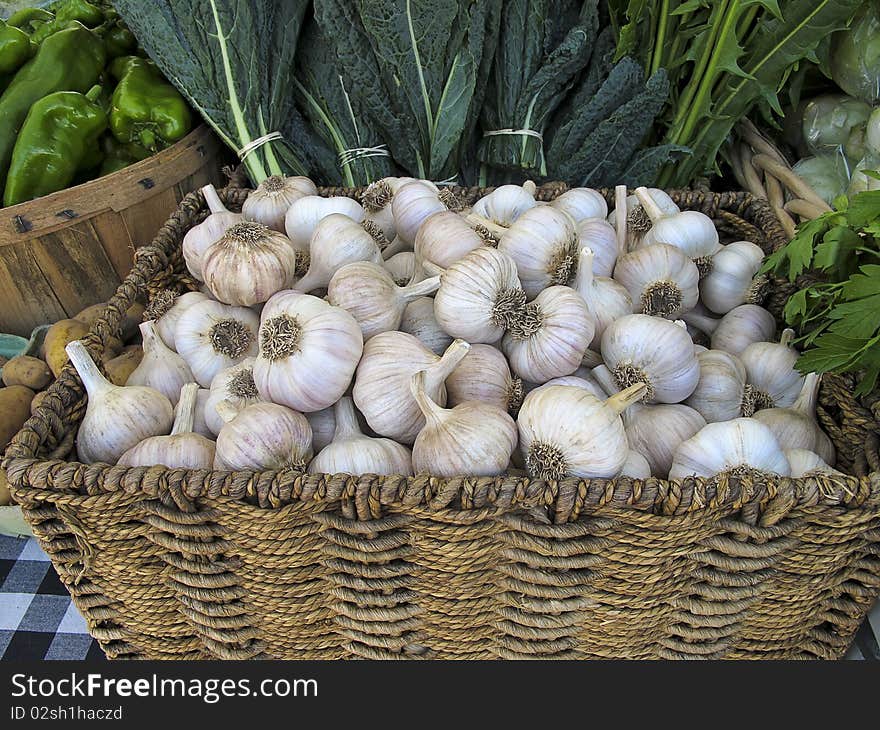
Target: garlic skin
point(411, 206)
point(576, 381)
point(805, 463)
point(606, 299)
point(636, 466)
point(116, 418)
point(183, 449)
point(472, 439)
point(262, 436)
point(160, 368)
point(479, 297)
point(730, 445)
point(637, 221)
point(737, 329)
point(323, 425)
point(419, 321)
point(771, 372)
point(381, 387)
point(543, 245)
point(308, 352)
point(211, 336)
point(337, 241)
point(200, 237)
point(402, 267)
point(368, 292)
point(304, 214)
point(506, 203)
point(721, 393)
point(166, 308)
point(654, 351)
point(660, 279)
point(200, 426)
point(249, 264)
point(734, 278)
point(565, 431)
point(551, 337)
point(376, 201)
point(483, 375)
point(445, 238)
point(657, 431)
point(601, 239)
point(581, 204)
point(351, 452)
point(236, 386)
point(269, 202)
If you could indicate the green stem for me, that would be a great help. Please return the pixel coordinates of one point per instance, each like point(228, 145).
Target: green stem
point(660, 37)
point(338, 141)
point(271, 160)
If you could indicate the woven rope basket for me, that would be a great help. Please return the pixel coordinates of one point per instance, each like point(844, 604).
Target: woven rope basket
point(194, 564)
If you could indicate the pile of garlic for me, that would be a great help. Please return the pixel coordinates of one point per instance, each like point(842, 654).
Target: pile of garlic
point(406, 334)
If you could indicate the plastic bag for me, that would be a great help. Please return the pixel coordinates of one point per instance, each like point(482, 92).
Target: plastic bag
point(827, 174)
point(833, 122)
point(860, 181)
point(855, 55)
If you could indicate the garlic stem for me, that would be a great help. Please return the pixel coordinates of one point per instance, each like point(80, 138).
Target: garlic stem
point(186, 409)
point(606, 380)
point(492, 226)
point(421, 289)
point(530, 187)
point(442, 369)
point(433, 413)
point(620, 217)
point(91, 377)
point(651, 208)
point(346, 419)
point(431, 269)
point(619, 402)
point(591, 359)
point(213, 200)
point(705, 324)
point(787, 337)
point(583, 278)
point(806, 401)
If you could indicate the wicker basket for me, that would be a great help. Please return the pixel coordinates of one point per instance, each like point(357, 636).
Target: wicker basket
point(193, 564)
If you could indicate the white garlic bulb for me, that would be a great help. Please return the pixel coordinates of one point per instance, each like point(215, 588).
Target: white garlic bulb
point(483, 375)
point(166, 308)
point(551, 337)
point(411, 206)
point(636, 466)
point(733, 279)
point(444, 238)
point(199, 237)
point(382, 383)
point(419, 321)
point(249, 264)
point(737, 329)
point(212, 336)
point(601, 239)
point(565, 431)
point(116, 418)
point(304, 214)
point(402, 267)
point(323, 425)
point(376, 200)
point(474, 438)
point(771, 372)
point(270, 201)
point(805, 463)
point(351, 452)
point(742, 443)
point(183, 449)
point(308, 351)
point(637, 221)
point(262, 436)
point(160, 368)
point(337, 241)
point(581, 204)
point(368, 292)
point(577, 381)
point(543, 243)
point(643, 349)
point(236, 386)
point(721, 393)
point(657, 431)
point(506, 203)
point(606, 299)
point(660, 279)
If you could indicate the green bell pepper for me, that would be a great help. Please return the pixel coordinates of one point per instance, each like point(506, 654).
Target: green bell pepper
point(70, 60)
point(118, 39)
point(146, 110)
point(116, 156)
point(15, 48)
point(68, 12)
point(58, 138)
point(29, 19)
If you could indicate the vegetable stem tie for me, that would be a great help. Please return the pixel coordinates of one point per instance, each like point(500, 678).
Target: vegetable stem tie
point(346, 157)
point(257, 143)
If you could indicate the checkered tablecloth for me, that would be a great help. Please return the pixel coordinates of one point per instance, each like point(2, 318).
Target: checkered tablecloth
point(39, 621)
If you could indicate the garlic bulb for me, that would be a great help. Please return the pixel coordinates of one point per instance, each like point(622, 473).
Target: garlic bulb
point(805, 463)
point(304, 214)
point(737, 329)
point(771, 372)
point(721, 393)
point(642, 349)
point(368, 292)
point(418, 320)
point(551, 337)
point(734, 278)
point(606, 299)
point(183, 449)
point(445, 238)
point(740, 444)
point(479, 296)
point(337, 241)
point(269, 202)
point(160, 368)
point(506, 203)
point(576, 381)
point(690, 231)
point(657, 431)
point(376, 200)
point(165, 309)
point(483, 375)
point(236, 386)
point(637, 221)
point(636, 466)
point(200, 426)
point(381, 387)
point(249, 264)
point(543, 244)
point(262, 436)
point(565, 431)
point(351, 452)
point(199, 237)
point(212, 336)
point(472, 439)
point(601, 239)
point(116, 418)
point(323, 425)
point(402, 267)
point(660, 279)
point(581, 204)
point(412, 204)
point(308, 353)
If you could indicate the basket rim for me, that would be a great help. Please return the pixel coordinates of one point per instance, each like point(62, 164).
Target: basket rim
point(369, 496)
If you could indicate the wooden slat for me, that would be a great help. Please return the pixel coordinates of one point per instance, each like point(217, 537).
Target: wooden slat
point(143, 221)
point(110, 229)
point(24, 307)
